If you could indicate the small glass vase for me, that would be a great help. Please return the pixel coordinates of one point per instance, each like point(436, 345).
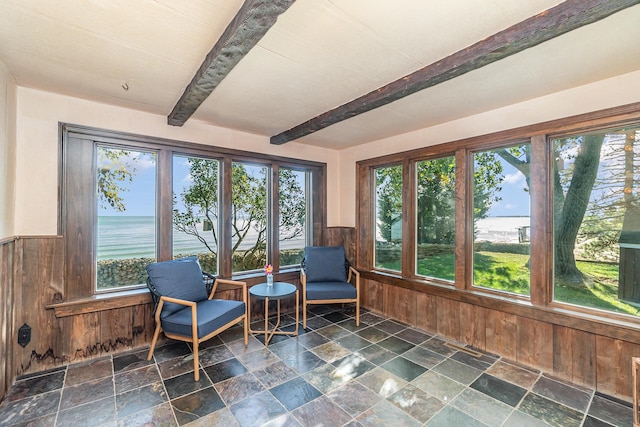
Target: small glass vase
point(269, 280)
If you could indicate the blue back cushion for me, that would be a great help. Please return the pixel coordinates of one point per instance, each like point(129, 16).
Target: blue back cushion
point(179, 278)
point(325, 264)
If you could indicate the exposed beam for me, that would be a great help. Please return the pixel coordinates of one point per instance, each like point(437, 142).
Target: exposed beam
point(250, 24)
point(558, 20)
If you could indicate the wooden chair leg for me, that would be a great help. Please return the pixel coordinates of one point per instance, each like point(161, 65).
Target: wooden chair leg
point(635, 366)
point(156, 334)
point(358, 312)
point(196, 363)
point(304, 315)
point(246, 330)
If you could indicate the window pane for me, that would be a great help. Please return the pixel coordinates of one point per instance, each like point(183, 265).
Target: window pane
point(436, 218)
point(597, 220)
point(249, 217)
point(501, 219)
point(126, 223)
point(195, 210)
point(293, 216)
point(388, 250)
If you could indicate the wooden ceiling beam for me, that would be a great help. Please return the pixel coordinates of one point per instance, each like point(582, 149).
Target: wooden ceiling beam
point(250, 24)
point(551, 23)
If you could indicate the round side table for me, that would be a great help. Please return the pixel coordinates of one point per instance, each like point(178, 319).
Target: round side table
point(278, 291)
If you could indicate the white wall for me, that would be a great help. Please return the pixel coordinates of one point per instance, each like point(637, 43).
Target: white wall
point(608, 93)
point(7, 151)
point(38, 115)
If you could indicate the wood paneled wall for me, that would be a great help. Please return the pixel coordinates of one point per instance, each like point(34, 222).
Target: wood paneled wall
point(7, 336)
point(342, 236)
point(592, 359)
point(31, 278)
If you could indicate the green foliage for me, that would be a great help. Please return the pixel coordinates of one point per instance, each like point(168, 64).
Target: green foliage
point(388, 199)
point(292, 204)
point(501, 271)
point(487, 177)
point(439, 266)
point(200, 201)
point(115, 167)
point(248, 208)
point(436, 192)
point(508, 272)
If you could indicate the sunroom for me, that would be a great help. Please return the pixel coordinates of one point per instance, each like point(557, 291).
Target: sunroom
point(475, 160)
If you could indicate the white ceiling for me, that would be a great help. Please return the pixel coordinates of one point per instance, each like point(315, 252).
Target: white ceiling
point(319, 55)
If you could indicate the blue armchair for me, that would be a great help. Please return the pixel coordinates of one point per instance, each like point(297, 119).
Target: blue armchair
point(185, 309)
point(328, 278)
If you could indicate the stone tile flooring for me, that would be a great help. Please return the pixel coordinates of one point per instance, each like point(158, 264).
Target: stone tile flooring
point(333, 374)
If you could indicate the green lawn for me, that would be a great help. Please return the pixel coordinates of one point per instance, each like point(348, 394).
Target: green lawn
point(509, 272)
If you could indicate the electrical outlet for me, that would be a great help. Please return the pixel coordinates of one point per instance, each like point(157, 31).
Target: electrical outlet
point(24, 335)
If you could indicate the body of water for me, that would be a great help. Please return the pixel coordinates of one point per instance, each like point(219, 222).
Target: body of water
point(122, 237)
point(502, 229)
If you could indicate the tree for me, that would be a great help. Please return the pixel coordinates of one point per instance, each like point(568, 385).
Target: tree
point(200, 202)
point(388, 200)
point(570, 206)
point(436, 196)
point(436, 193)
point(115, 167)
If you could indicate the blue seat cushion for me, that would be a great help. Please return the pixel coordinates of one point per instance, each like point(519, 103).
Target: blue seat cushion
point(212, 314)
point(330, 290)
point(179, 278)
point(325, 264)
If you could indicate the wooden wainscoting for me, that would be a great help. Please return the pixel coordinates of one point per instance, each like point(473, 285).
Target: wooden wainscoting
point(32, 282)
point(582, 351)
point(32, 272)
point(342, 236)
point(7, 336)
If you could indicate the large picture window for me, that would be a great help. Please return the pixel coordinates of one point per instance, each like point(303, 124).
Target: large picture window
point(501, 219)
point(536, 219)
point(596, 215)
point(249, 216)
point(196, 195)
point(436, 218)
point(388, 223)
point(293, 207)
point(127, 201)
point(126, 217)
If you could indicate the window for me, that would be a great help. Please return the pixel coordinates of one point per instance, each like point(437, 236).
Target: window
point(596, 215)
point(530, 217)
point(388, 203)
point(127, 201)
point(249, 217)
point(501, 219)
point(293, 208)
point(126, 218)
point(196, 192)
point(436, 218)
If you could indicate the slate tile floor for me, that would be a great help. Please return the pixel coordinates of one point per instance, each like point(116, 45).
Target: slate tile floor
point(333, 374)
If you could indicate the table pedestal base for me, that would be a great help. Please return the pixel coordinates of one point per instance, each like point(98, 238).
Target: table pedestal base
point(268, 334)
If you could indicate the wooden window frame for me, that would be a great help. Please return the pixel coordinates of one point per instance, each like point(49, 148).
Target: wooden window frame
point(541, 248)
point(76, 210)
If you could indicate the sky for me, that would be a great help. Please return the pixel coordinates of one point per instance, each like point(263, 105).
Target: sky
point(139, 199)
point(514, 200)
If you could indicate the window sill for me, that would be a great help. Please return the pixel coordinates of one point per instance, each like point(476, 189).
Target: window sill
point(101, 302)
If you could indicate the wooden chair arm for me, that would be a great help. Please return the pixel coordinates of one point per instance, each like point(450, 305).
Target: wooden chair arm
point(186, 303)
point(356, 273)
point(233, 283)
point(303, 280)
point(178, 301)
